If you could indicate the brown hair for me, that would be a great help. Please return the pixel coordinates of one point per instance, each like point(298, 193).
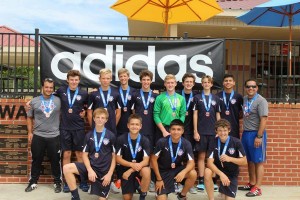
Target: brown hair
point(134, 116)
point(73, 73)
point(146, 73)
point(210, 79)
point(222, 123)
point(122, 71)
point(188, 75)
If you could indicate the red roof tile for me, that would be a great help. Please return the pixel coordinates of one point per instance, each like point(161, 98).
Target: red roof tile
point(240, 4)
point(14, 39)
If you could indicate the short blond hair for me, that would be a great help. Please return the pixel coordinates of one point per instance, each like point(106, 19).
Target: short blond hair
point(105, 71)
point(122, 71)
point(100, 111)
point(170, 76)
point(209, 78)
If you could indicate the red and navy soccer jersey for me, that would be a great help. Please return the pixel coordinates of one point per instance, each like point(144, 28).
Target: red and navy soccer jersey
point(206, 124)
point(149, 127)
point(162, 150)
point(125, 112)
point(123, 149)
point(235, 149)
point(95, 101)
point(235, 108)
point(103, 162)
point(72, 121)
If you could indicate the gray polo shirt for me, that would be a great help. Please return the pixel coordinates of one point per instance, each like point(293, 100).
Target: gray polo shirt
point(259, 108)
point(47, 127)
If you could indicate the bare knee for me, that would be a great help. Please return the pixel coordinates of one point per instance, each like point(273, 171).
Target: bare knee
point(69, 168)
point(67, 154)
point(192, 174)
point(145, 172)
point(208, 174)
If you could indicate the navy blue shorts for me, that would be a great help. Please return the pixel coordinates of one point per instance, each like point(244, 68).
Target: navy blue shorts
point(204, 143)
point(72, 140)
point(96, 187)
point(132, 184)
point(231, 189)
point(168, 179)
point(255, 155)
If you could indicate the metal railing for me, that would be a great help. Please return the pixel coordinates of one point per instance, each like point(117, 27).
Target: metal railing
point(265, 61)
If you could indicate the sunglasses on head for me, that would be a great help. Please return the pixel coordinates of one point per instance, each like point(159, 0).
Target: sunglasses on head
point(250, 86)
point(48, 80)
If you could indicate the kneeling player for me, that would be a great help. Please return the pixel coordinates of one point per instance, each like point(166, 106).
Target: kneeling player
point(169, 155)
point(225, 156)
point(133, 150)
point(98, 159)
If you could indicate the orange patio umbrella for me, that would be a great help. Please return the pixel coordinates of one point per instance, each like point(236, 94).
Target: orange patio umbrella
point(168, 11)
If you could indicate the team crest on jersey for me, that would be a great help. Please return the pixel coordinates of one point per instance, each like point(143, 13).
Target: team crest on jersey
point(231, 150)
point(233, 101)
point(213, 102)
point(129, 97)
point(139, 149)
point(180, 152)
point(78, 98)
point(152, 99)
point(105, 141)
point(111, 98)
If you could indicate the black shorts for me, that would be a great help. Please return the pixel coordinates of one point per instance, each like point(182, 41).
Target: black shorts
point(72, 140)
point(96, 187)
point(132, 184)
point(231, 189)
point(204, 143)
point(168, 179)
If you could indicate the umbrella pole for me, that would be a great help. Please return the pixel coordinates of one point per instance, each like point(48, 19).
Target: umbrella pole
point(290, 45)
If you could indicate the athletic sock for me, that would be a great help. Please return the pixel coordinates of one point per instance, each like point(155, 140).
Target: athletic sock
point(214, 180)
point(201, 179)
point(75, 194)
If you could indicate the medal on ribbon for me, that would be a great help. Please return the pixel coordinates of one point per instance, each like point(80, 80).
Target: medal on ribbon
point(71, 102)
point(224, 149)
point(134, 152)
point(188, 102)
point(173, 106)
point(105, 101)
point(46, 105)
point(98, 145)
point(227, 112)
point(207, 105)
point(124, 99)
point(146, 103)
point(247, 107)
point(173, 158)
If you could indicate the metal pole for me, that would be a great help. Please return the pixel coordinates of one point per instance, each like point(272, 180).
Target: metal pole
point(36, 61)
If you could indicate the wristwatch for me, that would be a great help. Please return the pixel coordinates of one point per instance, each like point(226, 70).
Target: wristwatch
point(259, 136)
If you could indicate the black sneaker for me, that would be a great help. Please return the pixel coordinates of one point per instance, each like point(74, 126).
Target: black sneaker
point(57, 187)
point(180, 197)
point(84, 187)
point(30, 187)
point(246, 187)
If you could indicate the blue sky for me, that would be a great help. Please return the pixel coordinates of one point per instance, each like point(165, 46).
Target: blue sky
point(63, 17)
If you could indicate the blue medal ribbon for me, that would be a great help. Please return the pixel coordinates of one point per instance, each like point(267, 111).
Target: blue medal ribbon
point(98, 145)
point(207, 106)
point(249, 103)
point(189, 101)
point(173, 158)
point(224, 149)
point(71, 103)
point(173, 106)
point(105, 101)
point(146, 104)
point(46, 104)
point(133, 153)
point(225, 101)
point(124, 100)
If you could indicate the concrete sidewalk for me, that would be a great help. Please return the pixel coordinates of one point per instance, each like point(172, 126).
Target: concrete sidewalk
point(46, 192)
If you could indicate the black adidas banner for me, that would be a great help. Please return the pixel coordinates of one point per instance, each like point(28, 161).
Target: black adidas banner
point(60, 54)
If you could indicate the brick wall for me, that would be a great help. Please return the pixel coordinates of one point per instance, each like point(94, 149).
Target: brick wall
point(283, 150)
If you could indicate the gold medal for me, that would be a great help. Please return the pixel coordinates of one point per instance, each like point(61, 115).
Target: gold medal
point(96, 155)
point(134, 161)
point(145, 112)
point(47, 115)
point(227, 112)
point(125, 109)
point(207, 114)
point(173, 165)
point(70, 110)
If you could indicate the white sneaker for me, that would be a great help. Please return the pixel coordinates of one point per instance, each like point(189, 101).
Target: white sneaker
point(114, 189)
point(193, 190)
point(152, 187)
point(178, 187)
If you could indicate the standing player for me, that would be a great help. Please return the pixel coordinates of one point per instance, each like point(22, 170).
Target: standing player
point(72, 131)
point(206, 113)
point(125, 101)
point(44, 134)
point(98, 159)
point(105, 97)
point(225, 156)
point(133, 151)
point(143, 103)
point(254, 137)
point(167, 162)
point(168, 106)
point(231, 104)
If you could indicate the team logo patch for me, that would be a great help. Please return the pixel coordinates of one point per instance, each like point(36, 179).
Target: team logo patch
point(129, 97)
point(139, 149)
point(213, 102)
point(111, 98)
point(78, 98)
point(231, 150)
point(233, 101)
point(105, 141)
point(152, 99)
point(180, 152)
